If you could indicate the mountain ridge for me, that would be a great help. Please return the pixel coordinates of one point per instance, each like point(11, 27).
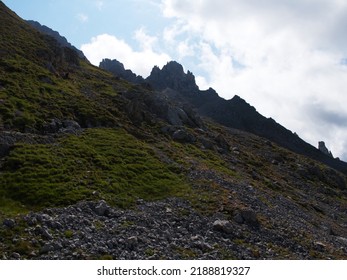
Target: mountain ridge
point(235, 113)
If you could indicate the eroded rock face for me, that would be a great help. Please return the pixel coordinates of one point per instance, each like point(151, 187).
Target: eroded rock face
point(324, 149)
point(147, 107)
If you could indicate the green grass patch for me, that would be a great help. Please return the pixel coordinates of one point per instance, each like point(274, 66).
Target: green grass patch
point(111, 162)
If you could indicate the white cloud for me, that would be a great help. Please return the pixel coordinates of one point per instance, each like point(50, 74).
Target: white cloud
point(82, 17)
point(99, 4)
point(141, 62)
point(284, 57)
point(146, 41)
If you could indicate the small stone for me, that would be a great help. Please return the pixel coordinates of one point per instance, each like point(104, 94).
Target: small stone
point(203, 246)
point(31, 220)
point(57, 246)
point(43, 232)
point(222, 226)
point(342, 240)
point(238, 218)
point(102, 209)
point(15, 256)
point(320, 246)
point(246, 216)
point(46, 248)
point(10, 223)
point(133, 239)
point(250, 217)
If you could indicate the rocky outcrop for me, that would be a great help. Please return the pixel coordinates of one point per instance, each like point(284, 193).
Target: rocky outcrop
point(173, 76)
point(117, 69)
point(147, 106)
point(182, 135)
point(61, 126)
point(324, 149)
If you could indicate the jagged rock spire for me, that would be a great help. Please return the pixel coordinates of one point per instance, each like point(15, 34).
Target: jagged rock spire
point(173, 76)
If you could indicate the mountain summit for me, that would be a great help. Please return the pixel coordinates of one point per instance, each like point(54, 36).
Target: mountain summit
point(172, 76)
point(93, 166)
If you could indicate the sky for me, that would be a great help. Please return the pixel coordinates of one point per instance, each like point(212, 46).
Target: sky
point(287, 58)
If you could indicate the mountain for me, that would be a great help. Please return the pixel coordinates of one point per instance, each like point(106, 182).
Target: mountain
point(95, 167)
point(234, 113)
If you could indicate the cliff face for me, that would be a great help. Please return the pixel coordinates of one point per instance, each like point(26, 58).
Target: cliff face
point(93, 166)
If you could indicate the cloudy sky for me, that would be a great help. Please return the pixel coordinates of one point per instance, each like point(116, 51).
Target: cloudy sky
point(287, 58)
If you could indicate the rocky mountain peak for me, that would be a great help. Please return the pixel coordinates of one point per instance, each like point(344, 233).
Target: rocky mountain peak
point(172, 76)
point(324, 149)
point(117, 68)
point(173, 66)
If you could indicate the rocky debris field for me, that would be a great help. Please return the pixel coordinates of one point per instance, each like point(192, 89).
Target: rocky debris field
point(168, 229)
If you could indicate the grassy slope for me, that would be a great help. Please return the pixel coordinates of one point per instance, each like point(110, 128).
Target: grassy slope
point(109, 162)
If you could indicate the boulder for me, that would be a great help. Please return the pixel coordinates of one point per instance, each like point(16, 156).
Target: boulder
point(10, 223)
point(222, 226)
point(246, 216)
point(70, 126)
point(102, 209)
point(183, 136)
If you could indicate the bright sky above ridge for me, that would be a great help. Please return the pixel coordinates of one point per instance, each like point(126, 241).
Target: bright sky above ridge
point(287, 58)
